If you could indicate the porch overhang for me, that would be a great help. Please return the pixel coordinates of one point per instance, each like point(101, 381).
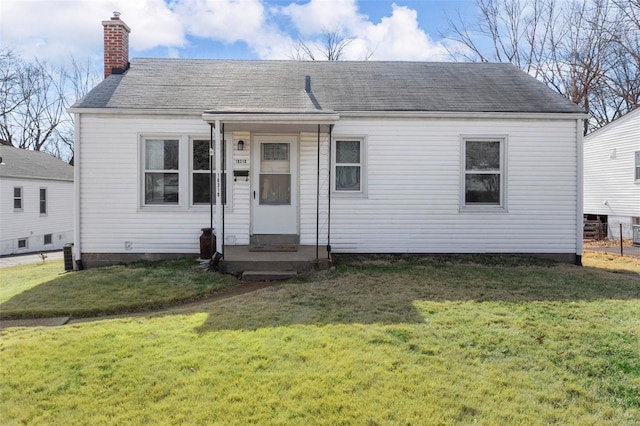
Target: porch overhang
point(271, 116)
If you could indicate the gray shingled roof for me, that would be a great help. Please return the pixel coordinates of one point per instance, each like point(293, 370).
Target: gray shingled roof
point(21, 163)
point(216, 85)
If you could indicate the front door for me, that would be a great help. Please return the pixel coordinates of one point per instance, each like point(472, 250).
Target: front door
point(274, 185)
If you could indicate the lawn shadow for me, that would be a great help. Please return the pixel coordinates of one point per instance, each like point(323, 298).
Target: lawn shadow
point(385, 292)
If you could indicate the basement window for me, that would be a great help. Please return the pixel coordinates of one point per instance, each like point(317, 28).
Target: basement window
point(48, 239)
point(22, 243)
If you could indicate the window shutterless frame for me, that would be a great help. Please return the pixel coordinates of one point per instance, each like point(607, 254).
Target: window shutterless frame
point(43, 201)
point(17, 198)
point(637, 168)
point(483, 173)
point(348, 163)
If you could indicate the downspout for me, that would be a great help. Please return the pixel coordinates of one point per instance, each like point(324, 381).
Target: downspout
point(579, 189)
point(218, 154)
point(318, 199)
point(211, 183)
point(329, 199)
point(76, 187)
point(223, 185)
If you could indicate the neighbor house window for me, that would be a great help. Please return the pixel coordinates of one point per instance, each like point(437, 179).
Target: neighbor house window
point(48, 239)
point(22, 243)
point(200, 173)
point(638, 165)
point(161, 175)
point(43, 200)
point(17, 198)
point(483, 180)
point(348, 160)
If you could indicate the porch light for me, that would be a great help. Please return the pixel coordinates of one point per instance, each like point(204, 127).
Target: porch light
point(240, 145)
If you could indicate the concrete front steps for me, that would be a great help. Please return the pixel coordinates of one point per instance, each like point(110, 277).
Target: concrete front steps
point(273, 265)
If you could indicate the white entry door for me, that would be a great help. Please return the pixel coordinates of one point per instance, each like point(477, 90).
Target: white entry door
point(274, 184)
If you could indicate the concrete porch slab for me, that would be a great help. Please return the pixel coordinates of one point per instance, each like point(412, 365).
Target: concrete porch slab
point(238, 259)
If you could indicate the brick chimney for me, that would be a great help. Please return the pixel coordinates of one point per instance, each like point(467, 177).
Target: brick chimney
point(116, 45)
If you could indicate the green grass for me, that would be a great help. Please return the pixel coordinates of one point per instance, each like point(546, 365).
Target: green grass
point(377, 342)
point(41, 290)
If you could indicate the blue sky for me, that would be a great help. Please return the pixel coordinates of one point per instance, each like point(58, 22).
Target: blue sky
point(247, 29)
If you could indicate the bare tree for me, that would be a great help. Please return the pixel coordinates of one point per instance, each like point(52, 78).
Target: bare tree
point(585, 50)
point(34, 98)
point(331, 48)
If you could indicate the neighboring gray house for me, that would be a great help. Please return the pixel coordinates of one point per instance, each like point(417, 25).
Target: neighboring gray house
point(355, 157)
point(612, 175)
point(36, 211)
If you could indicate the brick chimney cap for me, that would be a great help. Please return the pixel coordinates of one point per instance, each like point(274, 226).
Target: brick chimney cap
point(115, 21)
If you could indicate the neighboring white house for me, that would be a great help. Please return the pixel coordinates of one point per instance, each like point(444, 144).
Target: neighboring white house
point(612, 174)
point(357, 157)
point(36, 211)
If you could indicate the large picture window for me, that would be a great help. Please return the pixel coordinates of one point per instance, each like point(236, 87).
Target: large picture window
point(348, 160)
point(483, 177)
point(161, 175)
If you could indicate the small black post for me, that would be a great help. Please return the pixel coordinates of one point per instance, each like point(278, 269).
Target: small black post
point(621, 243)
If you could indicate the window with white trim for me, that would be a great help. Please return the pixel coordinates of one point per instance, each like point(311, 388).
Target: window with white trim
point(43, 201)
point(201, 175)
point(17, 198)
point(348, 165)
point(22, 243)
point(483, 177)
point(48, 239)
point(637, 166)
point(161, 171)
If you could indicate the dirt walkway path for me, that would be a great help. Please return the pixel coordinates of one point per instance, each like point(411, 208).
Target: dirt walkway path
point(238, 290)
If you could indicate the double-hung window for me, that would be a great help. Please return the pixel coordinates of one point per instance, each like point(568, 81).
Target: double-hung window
point(201, 173)
point(17, 198)
point(637, 166)
point(43, 201)
point(348, 161)
point(483, 177)
point(161, 171)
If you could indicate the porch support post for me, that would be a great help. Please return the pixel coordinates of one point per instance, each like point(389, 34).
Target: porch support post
point(219, 206)
point(318, 198)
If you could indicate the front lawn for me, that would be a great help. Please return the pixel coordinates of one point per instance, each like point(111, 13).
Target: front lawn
point(378, 341)
point(42, 290)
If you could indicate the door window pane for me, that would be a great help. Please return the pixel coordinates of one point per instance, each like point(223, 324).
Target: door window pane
point(275, 158)
point(275, 189)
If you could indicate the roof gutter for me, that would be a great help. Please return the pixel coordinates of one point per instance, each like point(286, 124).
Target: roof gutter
point(452, 114)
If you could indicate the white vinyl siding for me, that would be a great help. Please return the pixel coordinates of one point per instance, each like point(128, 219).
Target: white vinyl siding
point(29, 224)
point(611, 169)
point(414, 191)
point(412, 181)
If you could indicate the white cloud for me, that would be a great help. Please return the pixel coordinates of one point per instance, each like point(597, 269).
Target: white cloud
point(53, 30)
point(395, 37)
point(56, 29)
point(318, 16)
point(399, 37)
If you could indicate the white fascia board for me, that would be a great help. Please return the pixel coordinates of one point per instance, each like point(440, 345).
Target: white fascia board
point(447, 114)
point(123, 111)
point(268, 117)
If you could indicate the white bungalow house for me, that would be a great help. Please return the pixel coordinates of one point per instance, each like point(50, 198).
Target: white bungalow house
point(36, 211)
point(612, 175)
point(349, 157)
